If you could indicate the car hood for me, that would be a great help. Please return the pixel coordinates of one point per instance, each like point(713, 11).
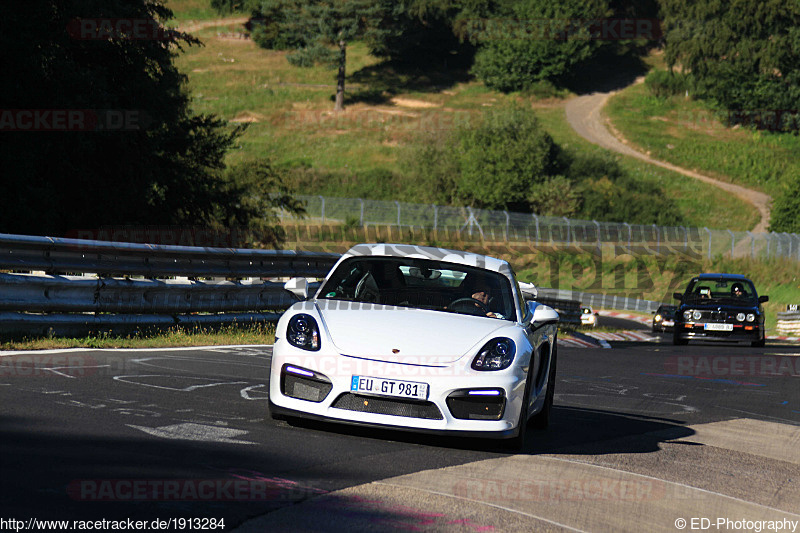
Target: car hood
point(403, 335)
point(719, 306)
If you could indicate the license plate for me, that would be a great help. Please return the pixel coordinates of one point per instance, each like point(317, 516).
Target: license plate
point(718, 327)
point(668, 323)
point(389, 387)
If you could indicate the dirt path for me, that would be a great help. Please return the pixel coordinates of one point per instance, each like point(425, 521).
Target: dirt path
point(203, 24)
point(585, 117)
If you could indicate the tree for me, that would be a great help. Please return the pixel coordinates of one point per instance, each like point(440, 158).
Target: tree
point(535, 40)
point(742, 55)
point(785, 213)
point(503, 157)
point(140, 155)
point(325, 24)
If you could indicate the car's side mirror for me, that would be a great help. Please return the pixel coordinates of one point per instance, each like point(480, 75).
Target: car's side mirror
point(298, 287)
point(763, 299)
point(541, 314)
point(677, 295)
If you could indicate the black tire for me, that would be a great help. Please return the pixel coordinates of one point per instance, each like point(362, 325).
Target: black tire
point(759, 344)
point(516, 444)
point(541, 420)
point(677, 341)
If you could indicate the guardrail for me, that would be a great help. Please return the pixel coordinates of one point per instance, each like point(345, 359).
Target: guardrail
point(43, 296)
point(788, 323)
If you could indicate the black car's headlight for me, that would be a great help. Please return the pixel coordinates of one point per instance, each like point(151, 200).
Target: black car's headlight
point(751, 317)
point(740, 317)
point(497, 354)
point(303, 332)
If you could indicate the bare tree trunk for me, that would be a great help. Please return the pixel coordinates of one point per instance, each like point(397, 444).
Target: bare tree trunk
point(340, 78)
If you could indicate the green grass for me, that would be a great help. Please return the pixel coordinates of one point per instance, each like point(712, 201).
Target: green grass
point(289, 111)
point(687, 133)
point(185, 11)
point(702, 205)
point(174, 337)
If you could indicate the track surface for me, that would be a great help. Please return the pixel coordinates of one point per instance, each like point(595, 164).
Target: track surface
point(644, 434)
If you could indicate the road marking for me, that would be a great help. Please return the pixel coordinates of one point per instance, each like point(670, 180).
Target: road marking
point(247, 396)
point(129, 379)
point(196, 432)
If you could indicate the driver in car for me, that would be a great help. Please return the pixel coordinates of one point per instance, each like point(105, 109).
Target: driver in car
point(483, 294)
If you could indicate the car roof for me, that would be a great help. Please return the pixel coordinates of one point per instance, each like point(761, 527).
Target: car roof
point(723, 276)
point(432, 253)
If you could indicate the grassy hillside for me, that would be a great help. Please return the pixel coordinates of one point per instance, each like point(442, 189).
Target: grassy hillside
point(688, 133)
point(357, 153)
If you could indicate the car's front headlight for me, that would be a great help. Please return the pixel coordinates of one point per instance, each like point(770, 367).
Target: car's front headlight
point(740, 317)
point(687, 315)
point(497, 354)
point(303, 332)
point(751, 317)
point(658, 318)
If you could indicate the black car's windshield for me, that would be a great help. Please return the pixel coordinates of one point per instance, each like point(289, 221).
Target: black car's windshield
point(737, 291)
point(422, 283)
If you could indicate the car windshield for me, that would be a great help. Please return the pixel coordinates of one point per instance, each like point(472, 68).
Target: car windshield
point(423, 284)
point(667, 310)
point(716, 290)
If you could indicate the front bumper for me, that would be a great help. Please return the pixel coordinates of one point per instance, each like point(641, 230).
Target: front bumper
point(335, 402)
point(739, 333)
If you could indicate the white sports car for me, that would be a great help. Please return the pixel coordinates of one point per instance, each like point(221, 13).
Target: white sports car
point(417, 338)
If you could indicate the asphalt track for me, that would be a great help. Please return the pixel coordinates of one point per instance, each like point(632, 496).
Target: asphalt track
point(644, 435)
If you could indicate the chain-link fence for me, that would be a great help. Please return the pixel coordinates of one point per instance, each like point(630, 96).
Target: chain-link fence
point(553, 231)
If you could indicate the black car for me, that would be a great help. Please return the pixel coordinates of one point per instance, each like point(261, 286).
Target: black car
point(664, 318)
point(720, 307)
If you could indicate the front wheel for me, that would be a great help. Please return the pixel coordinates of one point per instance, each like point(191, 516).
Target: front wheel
point(541, 420)
point(677, 340)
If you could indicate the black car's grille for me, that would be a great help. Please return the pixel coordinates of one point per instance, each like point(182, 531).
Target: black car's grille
point(387, 406)
point(717, 316)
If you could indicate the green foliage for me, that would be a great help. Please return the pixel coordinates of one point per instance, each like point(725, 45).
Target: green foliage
point(164, 167)
point(270, 27)
point(663, 84)
point(535, 40)
point(741, 55)
point(503, 157)
point(508, 161)
point(785, 213)
point(250, 195)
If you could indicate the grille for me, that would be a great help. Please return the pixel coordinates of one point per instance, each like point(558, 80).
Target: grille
point(478, 408)
point(387, 406)
point(304, 388)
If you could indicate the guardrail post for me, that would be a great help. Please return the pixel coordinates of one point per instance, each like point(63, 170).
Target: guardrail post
point(323, 209)
point(630, 234)
point(769, 241)
point(435, 217)
point(398, 213)
point(658, 239)
point(508, 223)
point(685, 238)
point(709, 242)
point(599, 244)
point(361, 220)
point(733, 241)
point(569, 237)
point(536, 221)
